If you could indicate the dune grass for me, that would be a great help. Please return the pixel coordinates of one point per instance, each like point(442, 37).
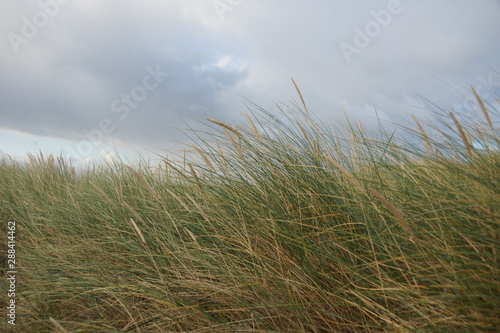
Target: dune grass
point(279, 225)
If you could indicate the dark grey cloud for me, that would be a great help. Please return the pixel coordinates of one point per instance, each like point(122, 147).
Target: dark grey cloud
point(94, 58)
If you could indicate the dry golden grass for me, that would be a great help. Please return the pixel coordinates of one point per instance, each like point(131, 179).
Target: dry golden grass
point(280, 232)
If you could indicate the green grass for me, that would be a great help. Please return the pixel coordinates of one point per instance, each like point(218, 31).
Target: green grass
point(281, 225)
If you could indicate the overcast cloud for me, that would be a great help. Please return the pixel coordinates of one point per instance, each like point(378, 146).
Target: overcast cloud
point(134, 70)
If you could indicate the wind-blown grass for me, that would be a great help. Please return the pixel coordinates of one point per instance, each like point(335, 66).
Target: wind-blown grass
point(278, 226)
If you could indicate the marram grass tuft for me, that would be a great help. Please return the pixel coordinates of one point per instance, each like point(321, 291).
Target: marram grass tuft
point(278, 226)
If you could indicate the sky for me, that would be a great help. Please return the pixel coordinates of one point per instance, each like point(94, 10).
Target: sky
point(98, 80)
